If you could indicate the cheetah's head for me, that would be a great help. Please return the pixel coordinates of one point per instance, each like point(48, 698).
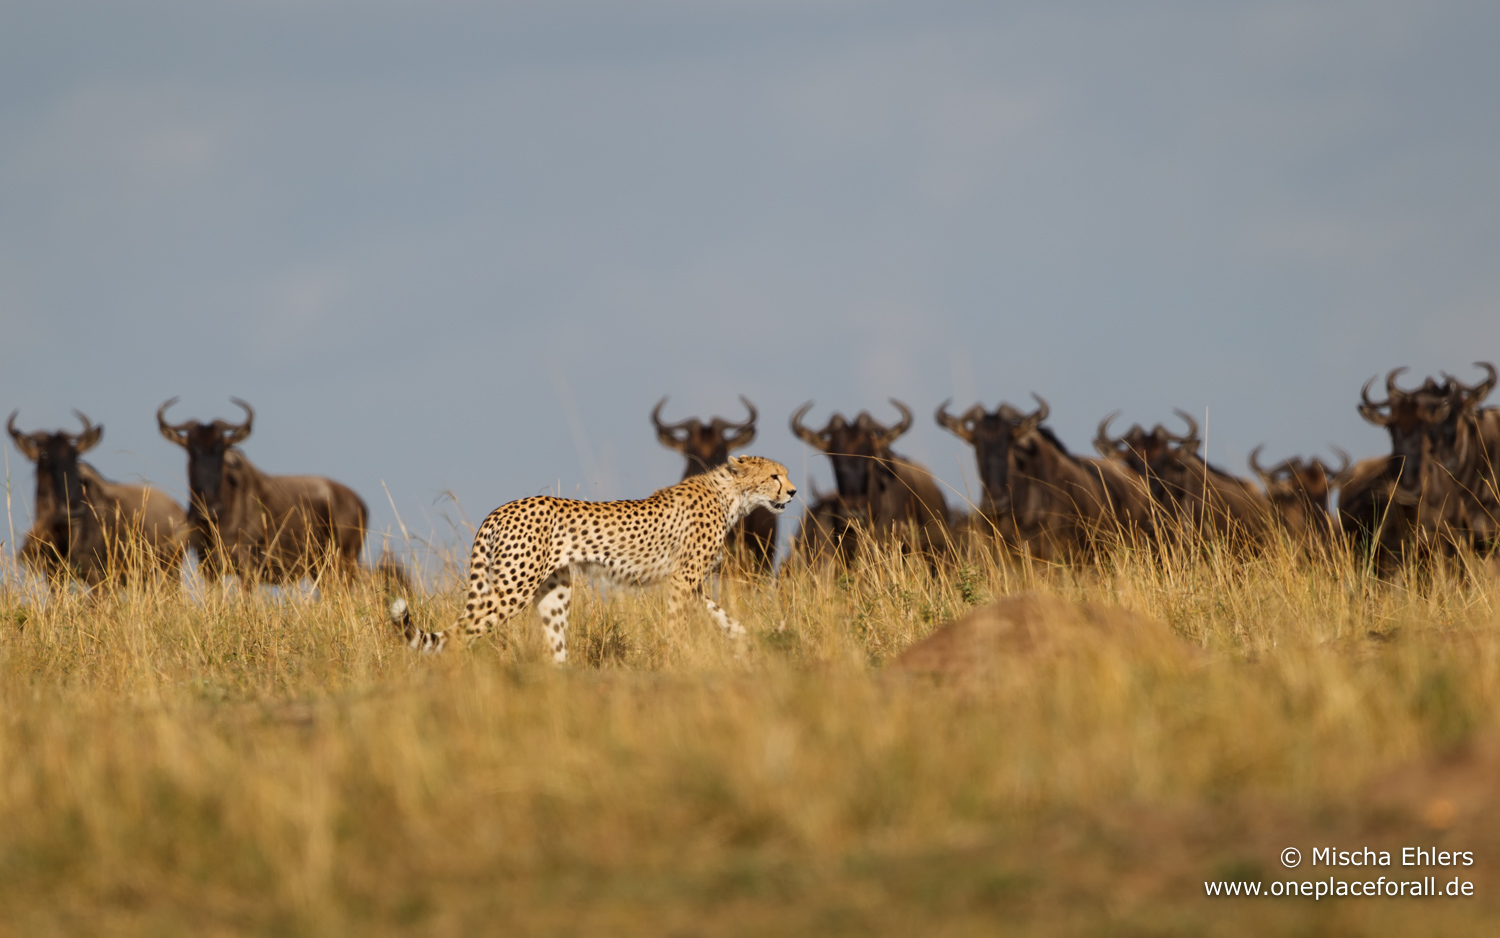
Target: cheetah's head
point(762, 482)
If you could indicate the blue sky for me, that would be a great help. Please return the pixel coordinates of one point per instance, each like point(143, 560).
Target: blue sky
point(464, 248)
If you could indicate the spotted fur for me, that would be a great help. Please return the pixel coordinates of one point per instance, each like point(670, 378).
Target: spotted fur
point(526, 552)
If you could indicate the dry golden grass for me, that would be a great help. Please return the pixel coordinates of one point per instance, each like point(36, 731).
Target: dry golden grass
point(214, 762)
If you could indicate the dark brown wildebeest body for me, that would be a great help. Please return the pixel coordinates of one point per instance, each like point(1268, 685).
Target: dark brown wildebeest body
point(1485, 513)
point(829, 530)
point(707, 446)
point(1364, 494)
point(262, 528)
point(1039, 496)
point(1202, 497)
point(1298, 490)
point(892, 495)
point(86, 526)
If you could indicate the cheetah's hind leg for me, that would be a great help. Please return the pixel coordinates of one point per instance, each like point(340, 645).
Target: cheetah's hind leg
point(484, 609)
point(552, 599)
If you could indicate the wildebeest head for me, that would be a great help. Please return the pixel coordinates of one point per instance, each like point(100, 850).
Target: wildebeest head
point(855, 448)
point(705, 445)
point(59, 487)
point(1168, 461)
point(993, 434)
point(1143, 451)
point(1414, 420)
point(206, 445)
point(1464, 400)
point(1471, 396)
point(1297, 482)
point(1177, 464)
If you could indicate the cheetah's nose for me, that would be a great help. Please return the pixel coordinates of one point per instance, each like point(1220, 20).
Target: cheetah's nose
point(791, 494)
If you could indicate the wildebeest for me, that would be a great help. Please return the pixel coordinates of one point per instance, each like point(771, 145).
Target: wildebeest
point(829, 529)
point(1039, 495)
point(87, 526)
point(1201, 496)
point(707, 446)
point(1298, 490)
point(884, 490)
point(1405, 498)
point(262, 528)
point(1466, 447)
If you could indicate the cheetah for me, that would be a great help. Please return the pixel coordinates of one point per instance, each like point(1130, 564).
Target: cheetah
point(527, 551)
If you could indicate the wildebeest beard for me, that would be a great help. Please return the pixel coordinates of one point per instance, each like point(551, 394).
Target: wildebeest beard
point(206, 475)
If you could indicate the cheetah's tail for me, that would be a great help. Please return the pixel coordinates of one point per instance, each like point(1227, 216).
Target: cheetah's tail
point(428, 643)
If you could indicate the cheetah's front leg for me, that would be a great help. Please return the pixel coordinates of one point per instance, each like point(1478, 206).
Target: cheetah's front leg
point(731, 628)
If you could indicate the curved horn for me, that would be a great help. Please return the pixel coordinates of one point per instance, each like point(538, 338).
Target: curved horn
point(750, 420)
point(1292, 465)
point(1473, 395)
point(1187, 418)
point(1190, 440)
point(1370, 410)
point(667, 432)
point(1482, 390)
point(1105, 444)
point(807, 436)
point(1255, 465)
point(744, 433)
point(656, 418)
point(1043, 409)
point(1344, 461)
point(656, 412)
point(955, 425)
point(240, 431)
point(178, 433)
point(1390, 383)
point(1342, 475)
point(89, 438)
point(1034, 419)
point(901, 427)
point(24, 441)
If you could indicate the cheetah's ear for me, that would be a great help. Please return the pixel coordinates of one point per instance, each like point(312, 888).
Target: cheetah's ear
point(736, 464)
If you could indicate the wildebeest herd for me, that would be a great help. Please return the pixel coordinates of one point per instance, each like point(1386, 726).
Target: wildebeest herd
point(1436, 491)
point(241, 521)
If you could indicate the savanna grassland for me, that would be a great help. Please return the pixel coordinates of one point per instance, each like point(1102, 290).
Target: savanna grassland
point(208, 761)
